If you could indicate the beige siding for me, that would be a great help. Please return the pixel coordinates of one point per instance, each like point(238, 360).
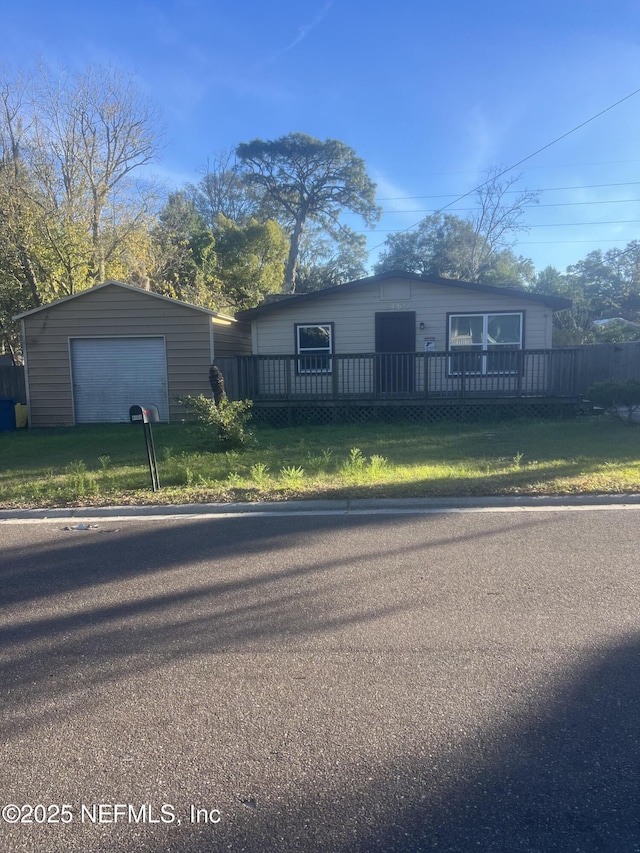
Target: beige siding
point(114, 311)
point(353, 315)
point(232, 340)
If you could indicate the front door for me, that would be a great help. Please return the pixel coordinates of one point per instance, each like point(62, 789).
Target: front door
point(396, 351)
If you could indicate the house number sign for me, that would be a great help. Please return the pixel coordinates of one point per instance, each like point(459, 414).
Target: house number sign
point(398, 306)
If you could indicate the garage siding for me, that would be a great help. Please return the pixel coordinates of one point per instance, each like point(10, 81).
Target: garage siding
point(111, 311)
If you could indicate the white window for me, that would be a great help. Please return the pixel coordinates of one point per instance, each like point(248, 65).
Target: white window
point(314, 341)
point(494, 338)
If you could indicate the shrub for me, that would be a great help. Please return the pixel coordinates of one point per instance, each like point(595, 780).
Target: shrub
point(616, 395)
point(224, 425)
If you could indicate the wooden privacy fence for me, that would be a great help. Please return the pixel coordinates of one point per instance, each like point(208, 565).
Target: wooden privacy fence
point(602, 362)
point(12, 383)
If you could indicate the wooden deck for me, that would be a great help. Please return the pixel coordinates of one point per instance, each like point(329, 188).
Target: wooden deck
point(291, 389)
point(402, 377)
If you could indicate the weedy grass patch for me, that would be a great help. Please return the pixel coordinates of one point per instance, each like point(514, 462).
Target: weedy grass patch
point(106, 465)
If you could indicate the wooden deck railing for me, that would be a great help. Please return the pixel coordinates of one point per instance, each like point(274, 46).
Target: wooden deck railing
point(402, 376)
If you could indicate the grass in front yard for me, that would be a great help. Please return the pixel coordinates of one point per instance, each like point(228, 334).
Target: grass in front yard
point(101, 465)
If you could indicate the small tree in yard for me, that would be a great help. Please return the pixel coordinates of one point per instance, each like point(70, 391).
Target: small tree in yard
point(222, 421)
point(225, 424)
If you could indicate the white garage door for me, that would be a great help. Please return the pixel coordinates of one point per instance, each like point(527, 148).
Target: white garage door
point(111, 374)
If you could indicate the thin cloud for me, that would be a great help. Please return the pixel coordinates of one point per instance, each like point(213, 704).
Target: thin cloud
point(305, 29)
point(397, 199)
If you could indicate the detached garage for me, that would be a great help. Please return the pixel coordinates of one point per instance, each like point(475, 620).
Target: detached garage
point(90, 356)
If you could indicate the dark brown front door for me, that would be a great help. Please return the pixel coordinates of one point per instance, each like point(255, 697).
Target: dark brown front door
point(395, 349)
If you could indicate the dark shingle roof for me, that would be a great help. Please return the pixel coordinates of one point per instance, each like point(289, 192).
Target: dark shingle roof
point(557, 303)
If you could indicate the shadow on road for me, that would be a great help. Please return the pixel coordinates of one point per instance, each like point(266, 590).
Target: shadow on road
point(560, 772)
point(564, 777)
point(91, 606)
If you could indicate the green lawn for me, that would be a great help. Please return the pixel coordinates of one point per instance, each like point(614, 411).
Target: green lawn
point(105, 465)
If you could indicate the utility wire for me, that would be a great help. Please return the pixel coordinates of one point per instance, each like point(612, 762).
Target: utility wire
point(402, 176)
point(524, 159)
point(566, 242)
point(513, 192)
point(527, 227)
point(533, 206)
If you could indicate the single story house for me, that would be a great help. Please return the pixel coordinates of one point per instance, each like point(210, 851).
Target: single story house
point(90, 356)
point(399, 334)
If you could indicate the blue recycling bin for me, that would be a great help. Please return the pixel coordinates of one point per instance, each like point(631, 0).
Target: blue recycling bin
point(7, 414)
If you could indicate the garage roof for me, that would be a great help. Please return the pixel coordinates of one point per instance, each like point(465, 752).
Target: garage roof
point(215, 314)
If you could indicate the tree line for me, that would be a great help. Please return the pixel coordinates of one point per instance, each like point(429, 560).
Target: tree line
point(78, 206)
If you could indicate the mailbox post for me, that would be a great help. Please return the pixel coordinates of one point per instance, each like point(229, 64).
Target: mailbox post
point(146, 415)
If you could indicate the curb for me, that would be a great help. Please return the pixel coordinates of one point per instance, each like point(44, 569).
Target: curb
point(323, 507)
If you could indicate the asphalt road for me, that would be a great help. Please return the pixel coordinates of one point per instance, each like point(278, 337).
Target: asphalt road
point(350, 682)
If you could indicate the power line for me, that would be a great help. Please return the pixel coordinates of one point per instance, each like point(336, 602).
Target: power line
point(528, 157)
point(580, 224)
point(567, 242)
point(624, 240)
point(527, 227)
point(582, 203)
point(525, 207)
point(475, 172)
point(511, 192)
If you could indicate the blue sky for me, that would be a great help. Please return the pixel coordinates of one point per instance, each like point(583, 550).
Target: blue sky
point(428, 94)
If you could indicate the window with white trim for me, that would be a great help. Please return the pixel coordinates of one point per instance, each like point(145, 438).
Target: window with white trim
point(314, 341)
point(494, 338)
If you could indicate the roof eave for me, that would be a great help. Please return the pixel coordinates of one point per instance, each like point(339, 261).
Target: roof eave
point(125, 286)
point(557, 303)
